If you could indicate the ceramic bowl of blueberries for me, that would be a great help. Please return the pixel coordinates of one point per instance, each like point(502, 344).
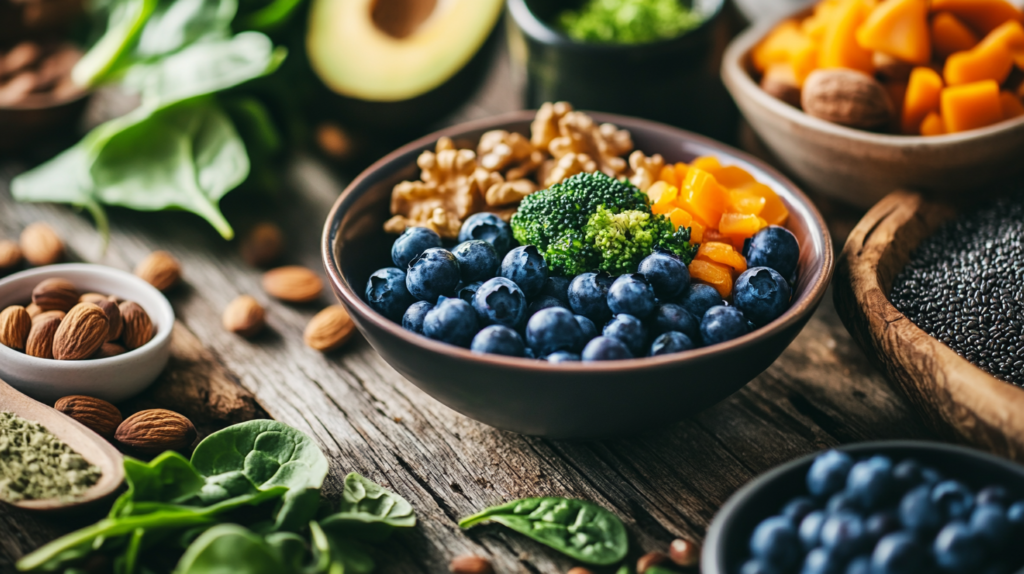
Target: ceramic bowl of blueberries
point(531, 379)
point(888, 507)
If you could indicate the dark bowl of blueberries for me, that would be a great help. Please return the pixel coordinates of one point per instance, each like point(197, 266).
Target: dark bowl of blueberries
point(889, 507)
point(482, 324)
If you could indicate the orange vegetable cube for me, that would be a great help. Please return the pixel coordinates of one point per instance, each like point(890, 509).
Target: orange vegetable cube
point(816, 25)
point(971, 106)
point(932, 125)
point(775, 211)
point(950, 35)
point(702, 196)
point(1011, 35)
point(780, 45)
point(739, 224)
point(722, 253)
point(981, 15)
point(898, 28)
point(922, 97)
point(708, 163)
point(680, 218)
point(668, 175)
point(696, 231)
point(681, 169)
point(991, 59)
point(839, 47)
point(715, 274)
point(745, 201)
point(661, 192)
point(1012, 106)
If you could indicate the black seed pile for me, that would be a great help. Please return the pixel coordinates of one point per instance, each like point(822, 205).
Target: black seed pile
point(964, 286)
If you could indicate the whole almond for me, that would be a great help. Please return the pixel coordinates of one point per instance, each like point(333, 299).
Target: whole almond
point(41, 245)
point(93, 298)
point(846, 97)
point(329, 329)
point(43, 315)
point(262, 245)
point(579, 570)
point(10, 256)
point(160, 269)
point(55, 294)
point(138, 328)
point(156, 430)
point(98, 415)
point(109, 350)
point(15, 325)
point(114, 323)
point(684, 552)
point(470, 564)
point(33, 310)
point(293, 283)
point(648, 560)
point(40, 337)
point(81, 333)
point(244, 316)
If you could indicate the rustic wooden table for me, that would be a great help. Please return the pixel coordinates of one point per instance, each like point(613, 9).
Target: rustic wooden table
point(664, 484)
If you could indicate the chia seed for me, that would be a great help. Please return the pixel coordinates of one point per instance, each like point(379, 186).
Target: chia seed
point(964, 286)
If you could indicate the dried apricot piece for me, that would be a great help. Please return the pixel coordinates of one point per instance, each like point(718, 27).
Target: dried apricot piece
point(745, 201)
point(722, 253)
point(702, 196)
point(715, 274)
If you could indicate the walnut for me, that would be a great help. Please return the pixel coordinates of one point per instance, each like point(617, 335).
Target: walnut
point(646, 170)
point(507, 192)
point(580, 134)
point(553, 172)
point(499, 149)
point(545, 124)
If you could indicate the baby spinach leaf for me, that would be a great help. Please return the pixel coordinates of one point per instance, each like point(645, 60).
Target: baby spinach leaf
point(177, 23)
point(269, 453)
point(298, 507)
point(229, 549)
point(271, 16)
point(369, 511)
point(291, 550)
point(577, 528)
point(169, 477)
point(338, 555)
point(124, 23)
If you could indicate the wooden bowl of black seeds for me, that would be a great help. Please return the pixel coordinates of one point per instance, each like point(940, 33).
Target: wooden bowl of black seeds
point(935, 297)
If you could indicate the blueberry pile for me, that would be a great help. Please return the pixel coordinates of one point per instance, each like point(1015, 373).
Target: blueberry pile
point(492, 296)
point(879, 516)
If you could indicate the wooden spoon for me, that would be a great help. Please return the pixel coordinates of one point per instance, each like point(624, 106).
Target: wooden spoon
point(93, 448)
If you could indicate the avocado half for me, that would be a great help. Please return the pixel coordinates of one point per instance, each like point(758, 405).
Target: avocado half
point(395, 50)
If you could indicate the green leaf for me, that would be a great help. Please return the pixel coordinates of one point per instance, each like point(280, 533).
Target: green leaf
point(169, 477)
point(269, 453)
point(178, 23)
point(338, 555)
point(271, 16)
point(577, 528)
point(291, 549)
point(298, 507)
point(125, 22)
point(369, 511)
point(229, 549)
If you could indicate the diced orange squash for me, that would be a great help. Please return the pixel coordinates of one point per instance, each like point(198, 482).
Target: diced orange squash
point(775, 211)
point(702, 197)
point(932, 125)
point(816, 25)
point(1011, 104)
point(731, 176)
point(779, 46)
point(1011, 35)
point(950, 35)
point(922, 97)
point(739, 225)
point(661, 192)
point(981, 15)
point(839, 47)
point(898, 28)
point(745, 201)
point(722, 253)
point(680, 218)
point(696, 231)
point(971, 106)
point(803, 62)
point(708, 163)
point(715, 274)
point(986, 61)
point(668, 175)
point(681, 169)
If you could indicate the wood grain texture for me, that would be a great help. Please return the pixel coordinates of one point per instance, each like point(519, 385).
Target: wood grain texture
point(958, 400)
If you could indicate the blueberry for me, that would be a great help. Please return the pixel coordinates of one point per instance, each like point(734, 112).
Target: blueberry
point(931, 476)
point(671, 342)
point(843, 533)
point(562, 357)
point(827, 474)
point(500, 301)
point(433, 273)
point(489, 228)
point(466, 291)
point(958, 549)
point(630, 294)
point(898, 553)
point(557, 287)
point(842, 501)
point(672, 317)
point(411, 243)
point(822, 561)
point(543, 302)
point(386, 292)
point(527, 268)
point(630, 331)
point(776, 542)
point(879, 524)
point(870, 481)
point(587, 326)
point(906, 475)
point(667, 275)
point(918, 512)
point(989, 522)
point(722, 324)
point(478, 260)
point(553, 329)
point(810, 529)
point(762, 294)
point(414, 315)
point(774, 247)
point(588, 296)
point(1015, 514)
point(797, 509)
point(605, 349)
point(994, 494)
point(699, 298)
point(859, 565)
point(954, 499)
point(451, 321)
point(498, 340)
point(757, 567)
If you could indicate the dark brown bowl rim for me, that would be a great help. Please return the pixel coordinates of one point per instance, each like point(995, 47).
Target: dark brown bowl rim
point(36, 106)
point(354, 302)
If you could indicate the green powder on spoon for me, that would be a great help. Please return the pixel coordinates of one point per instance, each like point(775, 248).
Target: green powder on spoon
point(35, 464)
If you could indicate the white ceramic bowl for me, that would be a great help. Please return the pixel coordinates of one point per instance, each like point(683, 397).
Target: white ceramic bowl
point(112, 379)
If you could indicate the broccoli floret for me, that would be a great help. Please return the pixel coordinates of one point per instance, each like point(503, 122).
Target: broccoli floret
point(623, 239)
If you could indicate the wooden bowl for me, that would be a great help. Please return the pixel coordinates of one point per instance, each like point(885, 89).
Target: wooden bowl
point(860, 167)
point(956, 399)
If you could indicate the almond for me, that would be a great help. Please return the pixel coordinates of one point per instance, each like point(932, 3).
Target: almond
point(138, 328)
point(109, 350)
point(81, 333)
point(293, 283)
point(329, 329)
point(244, 316)
point(93, 298)
point(15, 325)
point(33, 310)
point(579, 570)
point(41, 245)
point(114, 323)
point(41, 315)
point(846, 97)
point(40, 337)
point(10, 256)
point(55, 294)
point(156, 430)
point(160, 269)
point(98, 415)
point(262, 245)
point(684, 553)
point(648, 560)
point(470, 564)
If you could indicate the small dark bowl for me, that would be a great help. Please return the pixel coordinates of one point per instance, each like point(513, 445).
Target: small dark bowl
point(727, 543)
point(671, 81)
point(568, 400)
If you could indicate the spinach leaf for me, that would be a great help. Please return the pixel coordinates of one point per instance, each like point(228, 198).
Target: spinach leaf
point(298, 507)
point(291, 550)
point(269, 453)
point(271, 16)
point(124, 23)
point(167, 478)
point(177, 23)
point(338, 555)
point(369, 511)
point(576, 528)
point(229, 549)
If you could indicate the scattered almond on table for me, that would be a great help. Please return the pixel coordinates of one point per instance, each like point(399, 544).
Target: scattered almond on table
point(650, 559)
point(98, 415)
point(684, 553)
point(293, 283)
point(40, 245)
point(34, 72)
point(329, 329)
point(263, 245)
point(155, 430)
point(160, 269)
point(470, 564)
point(244, 316)
point(10, 256)
point(579, 570)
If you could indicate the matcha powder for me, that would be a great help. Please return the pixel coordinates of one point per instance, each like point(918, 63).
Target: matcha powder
point(34, 464)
